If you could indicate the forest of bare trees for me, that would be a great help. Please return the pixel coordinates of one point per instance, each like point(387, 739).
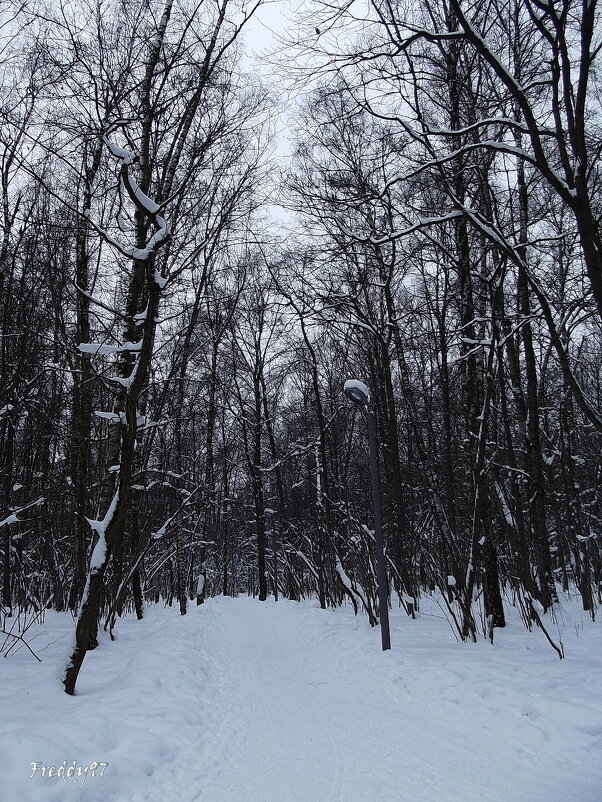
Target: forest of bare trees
point(172, 423)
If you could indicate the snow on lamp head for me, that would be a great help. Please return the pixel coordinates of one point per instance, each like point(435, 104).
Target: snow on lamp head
point(357, 392)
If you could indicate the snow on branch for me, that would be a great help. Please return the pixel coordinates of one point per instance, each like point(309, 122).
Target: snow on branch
point(130, 251)
point(95, 300)
point(6, 410)
point(350, 588)
point(100, 526)
point(159, 279)
point(126, 156)
point(307, 563)
point(165, 527)
point(140, 199)
point(490, 144)
point(100, 348)
point(425, 222)
point(489, 230)
point(126, 381)
point(13, 518)
point(141, 316)
point(99, 553)
point(113, 417)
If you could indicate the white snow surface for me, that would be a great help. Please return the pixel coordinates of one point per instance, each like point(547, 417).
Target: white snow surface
point(277, 702)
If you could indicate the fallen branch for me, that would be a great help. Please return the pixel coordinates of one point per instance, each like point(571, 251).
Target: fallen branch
point(16, 638)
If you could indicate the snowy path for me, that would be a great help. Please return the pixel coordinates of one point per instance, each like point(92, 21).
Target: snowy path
point(305, 720)
point(307, 714)
point(242, 701)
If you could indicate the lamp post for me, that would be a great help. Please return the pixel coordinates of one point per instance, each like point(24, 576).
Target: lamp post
point(359, 394)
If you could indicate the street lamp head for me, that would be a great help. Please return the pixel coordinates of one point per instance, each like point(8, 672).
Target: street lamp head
point(357, 392)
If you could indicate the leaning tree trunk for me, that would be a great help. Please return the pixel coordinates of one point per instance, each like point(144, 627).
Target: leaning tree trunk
point(110, 528)
point(145, 283)
point(82, 387)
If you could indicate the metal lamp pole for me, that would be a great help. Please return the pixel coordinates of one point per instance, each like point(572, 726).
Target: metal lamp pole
point(359, 394)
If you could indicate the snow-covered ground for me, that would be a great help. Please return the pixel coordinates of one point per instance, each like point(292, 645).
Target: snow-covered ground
point(274, 702)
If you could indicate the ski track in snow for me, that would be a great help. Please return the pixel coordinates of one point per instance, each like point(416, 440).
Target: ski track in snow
point(283, 702)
